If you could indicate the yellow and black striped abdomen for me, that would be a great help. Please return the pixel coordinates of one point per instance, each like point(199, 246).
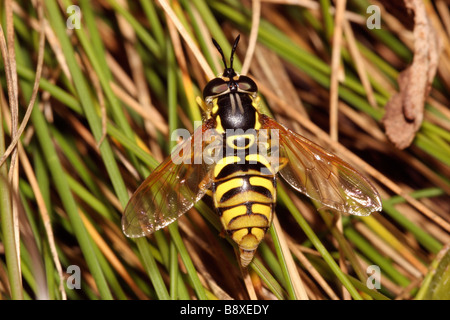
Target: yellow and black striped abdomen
point(245, 198)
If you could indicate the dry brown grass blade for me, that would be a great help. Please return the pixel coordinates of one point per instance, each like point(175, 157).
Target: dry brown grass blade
point(150, 115)
point(187, 38)
point(13, 99)
point(208, 278)
point(138, 82)
point(5, 289)
point(359, 63)
point(256, 17)
point(405, 259)
point(45, 217)
point(263, 67)
point(442, 31)
point(117, 238)
point(315, 6)
point(121, 76)
point(336, 68)
point(111, 257)
point(188, 86)
point(16, 133)
point(336, 73)
point(247, 280)
point(49, 34)
point(11, 82)
point(442, 8)
point(300, 291)
point(16, 138)
point(101, 99)
point(310, 268)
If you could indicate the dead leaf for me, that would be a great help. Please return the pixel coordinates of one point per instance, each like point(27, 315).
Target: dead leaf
point(404, 111)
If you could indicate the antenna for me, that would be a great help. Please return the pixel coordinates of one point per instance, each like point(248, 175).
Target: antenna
point(236, 41)
point(220, 51)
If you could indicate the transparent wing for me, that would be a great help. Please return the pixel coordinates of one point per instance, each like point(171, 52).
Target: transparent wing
point(170, 190)
point(323, 176)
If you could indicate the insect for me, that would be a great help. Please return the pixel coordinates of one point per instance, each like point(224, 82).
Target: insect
point(238, 168)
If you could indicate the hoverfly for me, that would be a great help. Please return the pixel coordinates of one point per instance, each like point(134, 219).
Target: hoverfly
point(250, 148)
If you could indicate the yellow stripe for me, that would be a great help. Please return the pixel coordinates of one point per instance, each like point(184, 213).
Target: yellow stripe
point(224, 162)
point(229, 214)
point(227, 186)
point(262, 182)
point(219, 127)
point(248, 241)
point(258, 233)
point(261, 159)
point(248, 221)
point(239, 234)
point(209, 192)
point(245, 197)
point(230, 141)
point(215, 107)
point(257, 123)
point(262, 209)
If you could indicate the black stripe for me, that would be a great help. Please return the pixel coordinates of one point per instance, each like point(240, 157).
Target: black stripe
point(235, 191)
point(244, 176)
point(230, 193)
point(230, 232)
point(248, 204)
point(233, 168)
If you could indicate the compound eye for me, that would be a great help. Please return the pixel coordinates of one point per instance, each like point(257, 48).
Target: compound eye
point(247, 84)
point(214, 87)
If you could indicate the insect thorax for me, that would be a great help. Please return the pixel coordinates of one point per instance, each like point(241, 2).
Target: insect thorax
point(235, 111)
